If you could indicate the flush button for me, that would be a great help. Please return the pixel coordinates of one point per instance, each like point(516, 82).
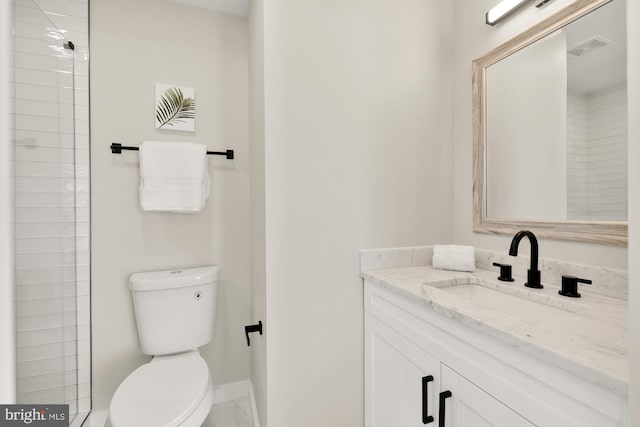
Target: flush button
point(197, 295)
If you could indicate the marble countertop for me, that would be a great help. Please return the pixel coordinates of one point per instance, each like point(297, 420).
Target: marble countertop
point(586, 336)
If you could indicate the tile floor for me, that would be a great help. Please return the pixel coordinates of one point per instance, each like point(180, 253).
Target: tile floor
point(234, 413)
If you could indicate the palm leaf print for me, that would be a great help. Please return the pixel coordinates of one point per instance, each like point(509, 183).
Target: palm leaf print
point(174, 108)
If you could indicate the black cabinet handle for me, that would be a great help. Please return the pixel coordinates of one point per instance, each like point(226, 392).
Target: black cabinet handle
point(426, 419)
point(443, 397)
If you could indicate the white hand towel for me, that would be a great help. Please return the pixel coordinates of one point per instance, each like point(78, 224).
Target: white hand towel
point(454, 257)
point(173, 176)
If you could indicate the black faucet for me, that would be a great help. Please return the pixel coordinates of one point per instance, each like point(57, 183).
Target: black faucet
point(533, 274)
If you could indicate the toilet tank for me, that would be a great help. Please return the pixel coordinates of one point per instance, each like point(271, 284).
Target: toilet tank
point(175, 309)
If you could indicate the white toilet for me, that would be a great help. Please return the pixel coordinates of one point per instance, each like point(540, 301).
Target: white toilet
point(175, 313)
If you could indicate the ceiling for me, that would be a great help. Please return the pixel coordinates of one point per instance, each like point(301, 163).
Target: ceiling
point(606, 67)
point(231, 7)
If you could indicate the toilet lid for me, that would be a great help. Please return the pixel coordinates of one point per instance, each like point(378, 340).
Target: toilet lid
point(163, 392)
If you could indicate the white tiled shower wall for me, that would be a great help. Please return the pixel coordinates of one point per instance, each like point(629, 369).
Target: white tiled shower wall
point(597, 155)
point(52, 203)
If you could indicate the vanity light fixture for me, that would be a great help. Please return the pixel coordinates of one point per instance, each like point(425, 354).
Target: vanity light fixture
point(540, 3)
point(502, 10)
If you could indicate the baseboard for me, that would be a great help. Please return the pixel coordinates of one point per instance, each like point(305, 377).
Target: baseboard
point(238, 390)
point(254, 408)
point(231, 391)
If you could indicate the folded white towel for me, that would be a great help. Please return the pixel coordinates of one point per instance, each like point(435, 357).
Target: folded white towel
point(454, 257)
point(173, 176)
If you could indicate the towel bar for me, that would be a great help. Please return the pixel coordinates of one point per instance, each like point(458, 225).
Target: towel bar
point(117, 148)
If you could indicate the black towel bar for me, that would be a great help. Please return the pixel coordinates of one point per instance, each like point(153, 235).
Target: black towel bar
point(117, 149)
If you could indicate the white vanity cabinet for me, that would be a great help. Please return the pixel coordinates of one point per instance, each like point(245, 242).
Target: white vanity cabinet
point(402, 381)
point(405, 384)
point(471, 406)
point(491, 383)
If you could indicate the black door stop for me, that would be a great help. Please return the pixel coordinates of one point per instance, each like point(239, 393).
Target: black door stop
point(252, 328)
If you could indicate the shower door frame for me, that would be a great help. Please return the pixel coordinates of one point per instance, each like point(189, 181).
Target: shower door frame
point(7, 287)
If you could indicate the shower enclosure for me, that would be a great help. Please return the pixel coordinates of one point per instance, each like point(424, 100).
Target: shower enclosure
point(50, 211)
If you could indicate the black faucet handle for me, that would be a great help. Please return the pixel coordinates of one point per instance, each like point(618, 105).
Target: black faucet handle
point(505, 272)
point(570, 286)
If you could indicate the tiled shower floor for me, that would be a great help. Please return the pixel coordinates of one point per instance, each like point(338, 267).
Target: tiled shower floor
point(234, 413)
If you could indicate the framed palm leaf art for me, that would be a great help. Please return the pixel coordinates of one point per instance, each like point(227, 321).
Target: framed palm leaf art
point(175, 108)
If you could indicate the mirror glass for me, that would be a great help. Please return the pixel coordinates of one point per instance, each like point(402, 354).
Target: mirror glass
point(550, 117)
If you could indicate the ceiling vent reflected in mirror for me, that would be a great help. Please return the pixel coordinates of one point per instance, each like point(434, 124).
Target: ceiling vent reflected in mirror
point(588, 46)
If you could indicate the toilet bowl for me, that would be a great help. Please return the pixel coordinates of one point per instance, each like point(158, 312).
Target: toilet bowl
point(175, 313)
point(166, 392)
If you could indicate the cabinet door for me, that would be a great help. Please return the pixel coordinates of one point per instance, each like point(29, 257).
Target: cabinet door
point(401, 379)
point(470, 406)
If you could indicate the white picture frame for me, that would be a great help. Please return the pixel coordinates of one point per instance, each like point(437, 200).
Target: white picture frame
point(175, 108)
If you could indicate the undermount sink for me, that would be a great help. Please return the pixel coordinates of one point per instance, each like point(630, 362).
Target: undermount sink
point(507, 299)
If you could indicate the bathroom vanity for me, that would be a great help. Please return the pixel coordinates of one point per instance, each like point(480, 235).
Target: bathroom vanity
point(446, 348)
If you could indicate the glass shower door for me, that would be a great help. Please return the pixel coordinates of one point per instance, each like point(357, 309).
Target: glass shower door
point(51, 245)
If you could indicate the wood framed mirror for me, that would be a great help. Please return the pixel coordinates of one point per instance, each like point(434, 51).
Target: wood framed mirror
point(535, 98)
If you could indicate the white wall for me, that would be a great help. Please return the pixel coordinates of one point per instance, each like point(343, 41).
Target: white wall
point(526, 132)
point(7, 288)
point(258, 278)
point(474, 38)
point(357, 155)
point(135, 44)
point(633, 74)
